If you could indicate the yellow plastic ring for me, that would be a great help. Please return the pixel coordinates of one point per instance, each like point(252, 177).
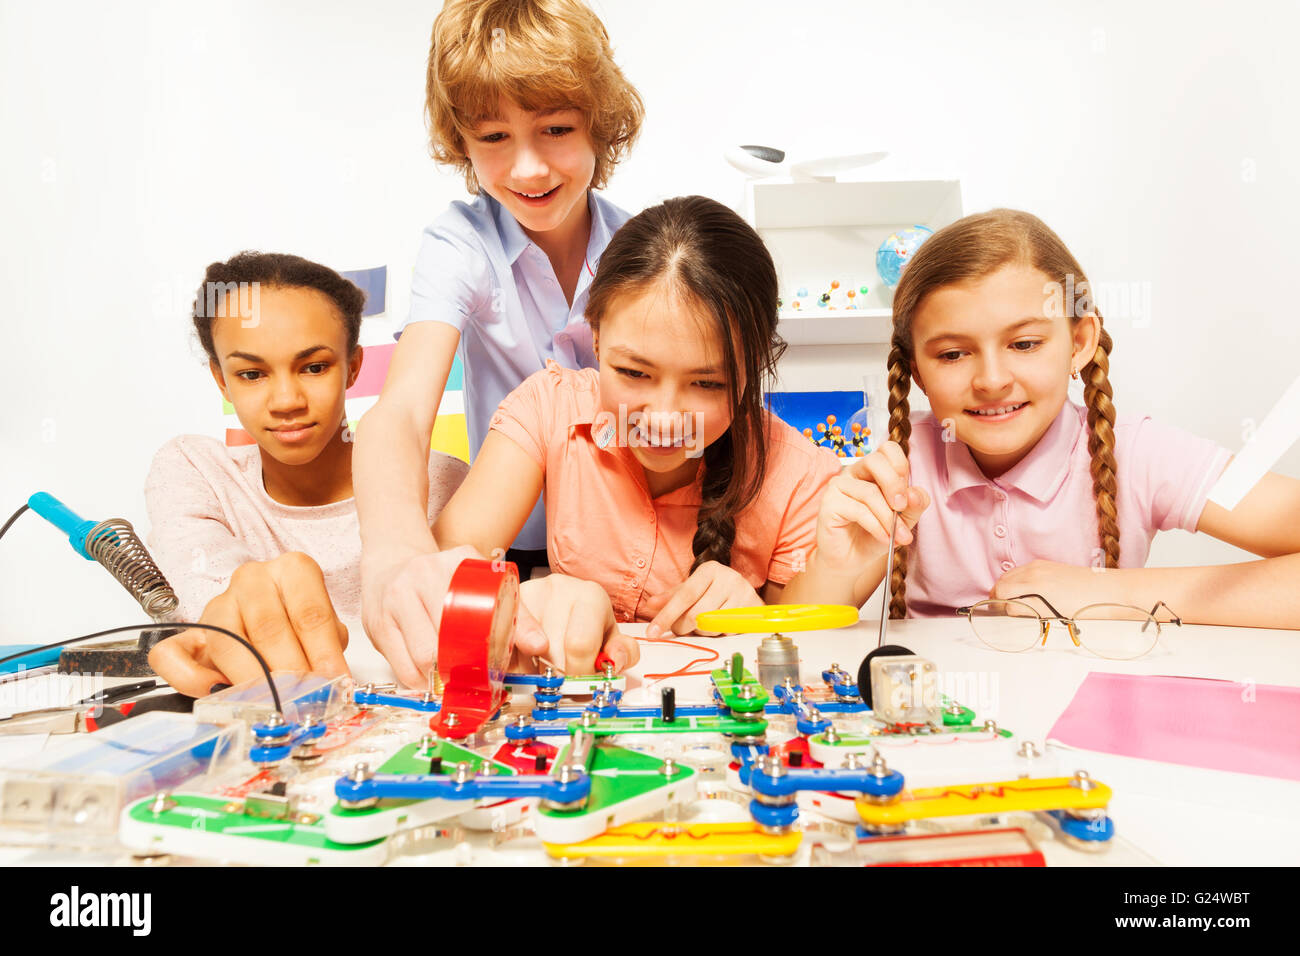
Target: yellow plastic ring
point(771, 618)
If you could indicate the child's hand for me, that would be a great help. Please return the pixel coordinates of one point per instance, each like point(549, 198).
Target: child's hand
point(858, 508)
point(402, 608)
point(576, 623)
point(281, 607)
point(1067, 586)
point(712, 587)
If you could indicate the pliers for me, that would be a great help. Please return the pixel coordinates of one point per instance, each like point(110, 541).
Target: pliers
point(79, 718)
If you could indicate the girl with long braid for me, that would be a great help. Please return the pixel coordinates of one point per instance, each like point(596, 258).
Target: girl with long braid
point(665, 480)
point(1006, 487)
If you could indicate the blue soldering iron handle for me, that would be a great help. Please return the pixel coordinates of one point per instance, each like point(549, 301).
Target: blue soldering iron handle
point(64, 518)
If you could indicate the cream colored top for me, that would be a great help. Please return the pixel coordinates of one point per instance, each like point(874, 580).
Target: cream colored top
point(209, 513)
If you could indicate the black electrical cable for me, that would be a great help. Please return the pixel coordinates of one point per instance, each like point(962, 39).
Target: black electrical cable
point(12, 518)
point(261, 661)
point(154, 625)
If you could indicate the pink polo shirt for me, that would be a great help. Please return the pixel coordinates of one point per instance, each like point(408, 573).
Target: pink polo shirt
point(603, 526)
point(976, 529)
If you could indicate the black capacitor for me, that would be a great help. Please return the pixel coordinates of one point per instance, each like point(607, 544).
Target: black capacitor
point(539, 763)
point(435, 765)
point(669, 705)
point(796, 758)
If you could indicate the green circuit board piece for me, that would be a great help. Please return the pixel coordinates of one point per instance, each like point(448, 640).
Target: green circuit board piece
point(955, 720)
point(198, 819)
point(731, 691)
point(417, 758)
point(859, 741)
point(608, 726)
point(617, 776)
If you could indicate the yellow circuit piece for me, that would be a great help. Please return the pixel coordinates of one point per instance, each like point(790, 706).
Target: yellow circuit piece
point(670, 839)
point(773, 618)
point(1050, 793)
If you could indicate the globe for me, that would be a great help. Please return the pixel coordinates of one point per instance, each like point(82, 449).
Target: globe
point(896, 250)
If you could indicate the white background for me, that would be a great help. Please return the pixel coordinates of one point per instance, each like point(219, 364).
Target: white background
point(142, 141)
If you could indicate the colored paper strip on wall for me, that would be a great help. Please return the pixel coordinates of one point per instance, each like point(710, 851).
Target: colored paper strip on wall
point(374, 370)
point(374, 283)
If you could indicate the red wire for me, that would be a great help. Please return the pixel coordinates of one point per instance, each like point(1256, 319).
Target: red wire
point(684, 671)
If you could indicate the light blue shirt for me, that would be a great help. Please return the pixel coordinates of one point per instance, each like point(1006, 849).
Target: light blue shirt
point(478, 272)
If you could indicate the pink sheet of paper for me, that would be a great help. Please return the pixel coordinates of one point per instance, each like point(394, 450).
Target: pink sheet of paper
point(1216, 724)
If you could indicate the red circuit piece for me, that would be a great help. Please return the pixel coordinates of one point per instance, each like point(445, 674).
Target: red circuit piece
point(475, 640)
point(1004, 846)
point(523, 757)
point(799, 745)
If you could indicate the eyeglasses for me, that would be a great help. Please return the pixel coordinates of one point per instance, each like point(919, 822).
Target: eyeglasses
point(1117, 632)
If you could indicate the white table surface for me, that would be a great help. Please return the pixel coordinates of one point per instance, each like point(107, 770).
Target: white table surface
point(1175, 815)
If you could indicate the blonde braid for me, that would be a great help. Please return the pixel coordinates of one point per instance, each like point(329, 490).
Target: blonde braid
point(1101, 445)
point(900, 430)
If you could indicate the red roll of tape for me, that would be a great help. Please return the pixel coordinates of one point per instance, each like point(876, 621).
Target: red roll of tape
point(475, 641)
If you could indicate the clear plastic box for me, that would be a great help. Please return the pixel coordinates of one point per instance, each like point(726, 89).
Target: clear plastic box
point(73, 794)
point(302, 694)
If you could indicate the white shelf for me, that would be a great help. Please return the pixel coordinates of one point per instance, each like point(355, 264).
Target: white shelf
point(824, 232)
point(930, 202)
point(818, 326)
